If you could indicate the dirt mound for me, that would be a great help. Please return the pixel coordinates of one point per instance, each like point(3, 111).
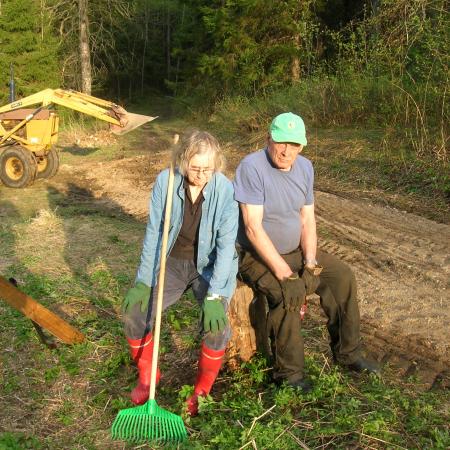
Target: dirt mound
point(401, 261)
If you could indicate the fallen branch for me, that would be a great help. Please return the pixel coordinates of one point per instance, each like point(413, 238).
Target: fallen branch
point(259, 417)
point(299, 442)
point(381, 440)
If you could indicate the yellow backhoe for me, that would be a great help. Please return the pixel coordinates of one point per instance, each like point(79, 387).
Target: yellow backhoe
point(28, 135)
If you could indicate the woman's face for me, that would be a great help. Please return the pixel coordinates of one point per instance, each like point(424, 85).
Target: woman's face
point(200, 169)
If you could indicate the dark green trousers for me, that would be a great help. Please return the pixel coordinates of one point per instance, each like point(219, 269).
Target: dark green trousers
point(337, 291)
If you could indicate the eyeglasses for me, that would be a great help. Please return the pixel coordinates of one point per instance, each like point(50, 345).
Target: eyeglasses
point(201, 170)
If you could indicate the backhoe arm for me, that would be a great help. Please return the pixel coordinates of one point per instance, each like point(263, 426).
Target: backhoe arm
point(121, 121)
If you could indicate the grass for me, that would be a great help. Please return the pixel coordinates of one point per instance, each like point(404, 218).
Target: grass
point(78, 258)
point(354, 157)
point(68, 398)
point(361, 163)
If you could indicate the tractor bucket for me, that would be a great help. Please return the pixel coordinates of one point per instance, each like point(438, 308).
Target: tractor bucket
point(128, 121)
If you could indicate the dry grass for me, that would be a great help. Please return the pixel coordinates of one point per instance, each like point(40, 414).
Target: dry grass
point(85, 132)
point(41, 242)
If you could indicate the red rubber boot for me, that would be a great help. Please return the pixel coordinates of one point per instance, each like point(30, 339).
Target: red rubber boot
point(142, 353)
point(209, 365)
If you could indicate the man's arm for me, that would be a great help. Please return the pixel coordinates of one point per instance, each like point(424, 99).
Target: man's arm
point(252, 216)
point(308, 239)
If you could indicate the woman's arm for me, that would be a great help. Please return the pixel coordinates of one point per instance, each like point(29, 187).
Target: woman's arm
point(152, 240)
point(225, 243)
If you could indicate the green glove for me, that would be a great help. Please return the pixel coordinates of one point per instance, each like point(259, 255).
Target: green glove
point(294, 292)
point(213, 315)
point(140, 293)
point(311, 278)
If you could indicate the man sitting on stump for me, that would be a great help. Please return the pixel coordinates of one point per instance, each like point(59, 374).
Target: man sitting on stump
point(279, 257)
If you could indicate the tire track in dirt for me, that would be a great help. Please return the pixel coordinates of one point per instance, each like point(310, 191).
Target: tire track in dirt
point(402, 265)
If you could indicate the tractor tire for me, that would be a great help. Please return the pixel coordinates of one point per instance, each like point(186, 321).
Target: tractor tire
point(18, 167)
point(48, 165)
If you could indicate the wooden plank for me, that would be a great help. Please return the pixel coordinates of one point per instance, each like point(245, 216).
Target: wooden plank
point(38, 313)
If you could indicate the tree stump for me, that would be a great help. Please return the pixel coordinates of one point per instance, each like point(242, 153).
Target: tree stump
point(247, 315)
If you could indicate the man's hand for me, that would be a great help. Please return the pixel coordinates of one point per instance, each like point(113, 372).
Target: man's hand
point(140, 293)
point(311, 278)
point(213, 315)
point(294, 292)
point(282, 272)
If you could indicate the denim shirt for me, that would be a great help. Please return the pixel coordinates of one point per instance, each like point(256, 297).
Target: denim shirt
point(217, 260)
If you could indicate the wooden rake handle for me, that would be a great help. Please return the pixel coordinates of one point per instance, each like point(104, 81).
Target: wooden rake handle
point(162, 272)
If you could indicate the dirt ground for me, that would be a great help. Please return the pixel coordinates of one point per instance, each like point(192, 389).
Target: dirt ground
point(401, 260)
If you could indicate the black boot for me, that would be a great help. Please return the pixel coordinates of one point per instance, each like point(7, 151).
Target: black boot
point(364, 365)
point(303, 385)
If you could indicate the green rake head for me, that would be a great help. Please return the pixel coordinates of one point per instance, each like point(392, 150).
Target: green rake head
point(147, 423)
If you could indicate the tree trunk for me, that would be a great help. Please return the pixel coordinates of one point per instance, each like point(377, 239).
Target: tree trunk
point(178, 57)
point(168, 62)
point(42, 19)
point(85, 52)
point(246, 314)
point(295, 67)
point(144, 51)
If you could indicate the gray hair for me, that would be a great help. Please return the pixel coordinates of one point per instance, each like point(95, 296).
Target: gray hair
point(197, 142)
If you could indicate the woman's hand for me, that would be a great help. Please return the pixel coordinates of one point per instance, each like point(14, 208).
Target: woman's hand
point(140, 293)
point(213, 315)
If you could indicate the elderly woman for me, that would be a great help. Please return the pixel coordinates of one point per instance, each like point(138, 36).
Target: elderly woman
point(201, 256)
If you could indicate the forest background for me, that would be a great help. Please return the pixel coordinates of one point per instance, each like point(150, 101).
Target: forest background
point(381, 64)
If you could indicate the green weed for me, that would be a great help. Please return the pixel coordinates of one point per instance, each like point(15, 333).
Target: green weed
point(51, 374)
point(18, 441)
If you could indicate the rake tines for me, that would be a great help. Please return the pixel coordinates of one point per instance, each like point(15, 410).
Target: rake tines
point(148, 422)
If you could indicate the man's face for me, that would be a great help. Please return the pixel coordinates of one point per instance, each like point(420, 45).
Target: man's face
point(283, 154)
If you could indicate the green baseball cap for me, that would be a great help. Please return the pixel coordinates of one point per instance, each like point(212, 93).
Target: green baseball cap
point(288, 127)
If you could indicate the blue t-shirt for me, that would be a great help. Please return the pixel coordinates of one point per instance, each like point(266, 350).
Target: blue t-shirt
point(282, 193)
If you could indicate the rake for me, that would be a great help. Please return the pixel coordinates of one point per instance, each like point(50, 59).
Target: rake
point(150, 422)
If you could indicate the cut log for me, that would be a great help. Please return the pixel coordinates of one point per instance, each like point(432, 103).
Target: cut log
point(247, 315)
